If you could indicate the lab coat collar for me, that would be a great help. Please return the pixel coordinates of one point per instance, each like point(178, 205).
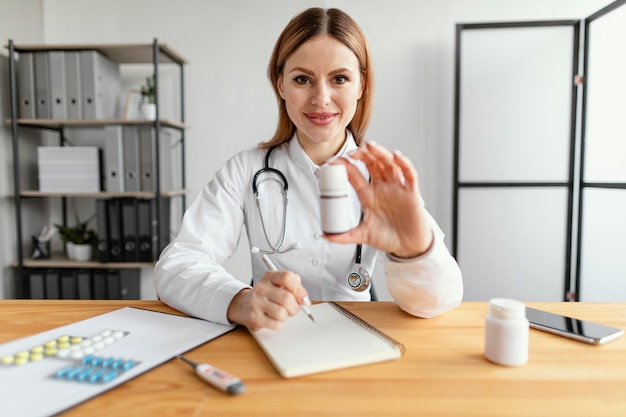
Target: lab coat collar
point(297, 153)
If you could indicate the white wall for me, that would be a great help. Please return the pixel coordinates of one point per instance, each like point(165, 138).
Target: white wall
point(228, 42)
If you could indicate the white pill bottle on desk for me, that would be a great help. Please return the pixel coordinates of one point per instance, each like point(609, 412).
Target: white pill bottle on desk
point(506, 332)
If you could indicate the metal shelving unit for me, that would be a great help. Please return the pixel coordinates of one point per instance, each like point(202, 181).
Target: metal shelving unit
point(153, 53)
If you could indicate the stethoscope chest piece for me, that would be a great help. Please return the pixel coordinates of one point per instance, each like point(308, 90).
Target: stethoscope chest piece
point(359, 279)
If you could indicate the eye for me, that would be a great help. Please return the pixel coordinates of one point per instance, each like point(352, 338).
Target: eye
point(302, 80)
point(341, 79)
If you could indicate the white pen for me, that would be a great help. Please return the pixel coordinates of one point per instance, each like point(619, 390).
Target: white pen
point(306, 302)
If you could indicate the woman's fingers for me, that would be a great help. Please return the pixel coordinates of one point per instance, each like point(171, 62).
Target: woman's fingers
point(393, 217)
point(381, 163)
point(409, 173)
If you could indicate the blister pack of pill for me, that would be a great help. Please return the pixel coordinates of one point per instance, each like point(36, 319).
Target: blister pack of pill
point(95, 369)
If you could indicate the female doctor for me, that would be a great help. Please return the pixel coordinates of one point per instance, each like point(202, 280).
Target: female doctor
point(322, 76)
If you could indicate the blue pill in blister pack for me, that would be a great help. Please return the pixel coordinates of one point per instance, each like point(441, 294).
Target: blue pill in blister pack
point(96, 376)
point(62, 373)
point(109, 376)
point(84, 375)
point(108, 362)
point(128, 364)
point(95, 369)
point(88, 360)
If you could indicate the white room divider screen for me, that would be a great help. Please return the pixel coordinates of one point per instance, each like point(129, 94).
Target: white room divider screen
point(601, 264)
point(517, 190)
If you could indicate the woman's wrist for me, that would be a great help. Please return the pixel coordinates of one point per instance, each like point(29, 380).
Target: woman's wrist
point(415, 254)
point(235, 305)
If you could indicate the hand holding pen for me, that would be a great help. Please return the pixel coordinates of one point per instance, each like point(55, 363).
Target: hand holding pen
point(275, 297)
point(306, 302)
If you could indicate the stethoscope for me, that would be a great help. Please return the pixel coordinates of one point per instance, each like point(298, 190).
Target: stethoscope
point(358, 279)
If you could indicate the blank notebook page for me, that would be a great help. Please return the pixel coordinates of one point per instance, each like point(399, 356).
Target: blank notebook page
point(337, 339)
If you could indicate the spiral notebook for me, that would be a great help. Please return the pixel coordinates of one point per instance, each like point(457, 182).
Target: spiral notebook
point(338, 339)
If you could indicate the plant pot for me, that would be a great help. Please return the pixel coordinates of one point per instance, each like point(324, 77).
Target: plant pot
point(69, 250)
point(79, 252)
point(149, 111)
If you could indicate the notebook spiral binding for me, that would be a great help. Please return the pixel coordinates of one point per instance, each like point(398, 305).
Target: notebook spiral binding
point(358, 320)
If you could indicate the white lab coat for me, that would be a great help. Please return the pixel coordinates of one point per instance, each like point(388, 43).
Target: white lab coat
point(189, 276)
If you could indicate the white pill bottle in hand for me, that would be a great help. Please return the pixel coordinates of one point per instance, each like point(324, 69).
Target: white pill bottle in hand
point(334, 202)
point(506, 332)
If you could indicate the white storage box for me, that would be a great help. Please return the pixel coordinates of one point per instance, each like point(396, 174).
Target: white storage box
point(66, 168)
point(69, 184)
point(69, 169)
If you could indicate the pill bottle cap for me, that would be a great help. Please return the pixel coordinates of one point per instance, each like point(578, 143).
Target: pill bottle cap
point(333, 180)
point(505, 308)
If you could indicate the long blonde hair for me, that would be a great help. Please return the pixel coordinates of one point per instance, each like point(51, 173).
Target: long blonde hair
point(308, 24)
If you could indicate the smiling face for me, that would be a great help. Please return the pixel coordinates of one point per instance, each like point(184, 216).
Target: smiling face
point(321, 84)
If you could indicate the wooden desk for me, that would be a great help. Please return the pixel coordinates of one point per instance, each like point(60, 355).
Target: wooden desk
point(443, 372)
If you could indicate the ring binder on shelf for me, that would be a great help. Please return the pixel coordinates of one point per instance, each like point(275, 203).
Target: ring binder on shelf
point(73, 82)
point(101, 86)
point(129, 229)
point(58, 89)
point(42, 85)
point(26, 85)
point(132, 158)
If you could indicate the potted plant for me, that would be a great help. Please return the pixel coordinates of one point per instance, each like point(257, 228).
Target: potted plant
point(79, 239)
point(148, 94)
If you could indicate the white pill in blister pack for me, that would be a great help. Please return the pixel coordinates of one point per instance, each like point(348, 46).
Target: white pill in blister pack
point(65, 347)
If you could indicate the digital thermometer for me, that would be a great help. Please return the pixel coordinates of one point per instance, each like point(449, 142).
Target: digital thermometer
point(216, 377)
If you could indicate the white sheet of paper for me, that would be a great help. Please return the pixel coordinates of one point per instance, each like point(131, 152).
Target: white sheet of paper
point(153, 338)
